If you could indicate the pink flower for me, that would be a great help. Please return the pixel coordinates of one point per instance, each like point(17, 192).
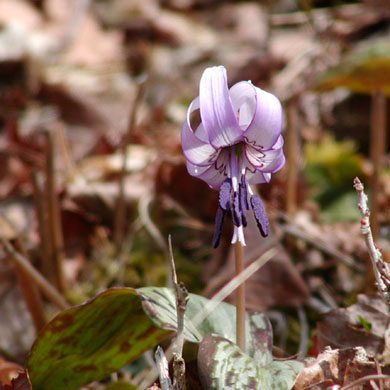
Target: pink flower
point(237, 143)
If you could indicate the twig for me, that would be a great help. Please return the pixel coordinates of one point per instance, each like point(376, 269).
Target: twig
point(30, 293)
point(364, 379)
point(120, 212)
point(143, 206)
point(181, 294)
point(42, 227)
point(381, 269)
point(51, 293)
point(54, 222)
point(162, 365)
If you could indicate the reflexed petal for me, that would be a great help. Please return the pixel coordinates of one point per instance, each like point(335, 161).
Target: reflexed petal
point(266, 123)
point(216, 111)
point(195, 150)
point(243, 96)
point(266, 160)
point(213, 177)
point(258, 177)
point(279, 143)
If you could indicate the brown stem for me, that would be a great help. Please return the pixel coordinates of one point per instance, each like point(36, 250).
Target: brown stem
point(240, 297)
point(30, 293)
point(42, 227)
point(54, 217)
point(377, 150)
point(120, 212)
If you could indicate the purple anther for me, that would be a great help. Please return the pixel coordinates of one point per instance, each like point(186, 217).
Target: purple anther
point(219, 218)
point(224, 194)
point(242, 194)
point(244, 186)
point(260, 215)
point(236, 212)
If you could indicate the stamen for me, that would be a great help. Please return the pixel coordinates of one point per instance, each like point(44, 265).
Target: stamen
point(219, 218)
point(244, 186)
point(236, 211)
point(224, 194)
point(260, 215)
point(243, 200)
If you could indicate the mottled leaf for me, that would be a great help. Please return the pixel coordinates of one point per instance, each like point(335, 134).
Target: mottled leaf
point(89, 341)
point(159, 304)
point(222, 365)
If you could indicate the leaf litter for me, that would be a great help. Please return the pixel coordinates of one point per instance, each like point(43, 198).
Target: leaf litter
point(76, 77)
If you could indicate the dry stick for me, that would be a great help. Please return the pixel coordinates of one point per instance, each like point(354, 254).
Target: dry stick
point(42, 227)
point(152, 229)
point(364, 379)
point(64, 148)
point(120, 212)
point(240, 297)
point(163, 369)
point(54, 218)
point(377, 150)
point(48, 289)
point(181, 294)
point(292, 152)
point(30, 292)
point(380, 267)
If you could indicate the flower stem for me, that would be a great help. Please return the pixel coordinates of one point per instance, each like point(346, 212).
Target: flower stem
point(240, 297)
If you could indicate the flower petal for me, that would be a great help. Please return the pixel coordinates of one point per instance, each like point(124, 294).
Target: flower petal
point(216, 111)
point(212, 176)
point(269, 161)
point(266, 124)
point(195, 150)
point(258, 177)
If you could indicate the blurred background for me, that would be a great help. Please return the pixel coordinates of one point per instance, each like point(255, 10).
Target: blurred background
point(92, 180)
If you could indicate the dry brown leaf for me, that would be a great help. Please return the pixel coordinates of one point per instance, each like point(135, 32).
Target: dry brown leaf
point(362, 324)
point(339, 367)
point(8, 371)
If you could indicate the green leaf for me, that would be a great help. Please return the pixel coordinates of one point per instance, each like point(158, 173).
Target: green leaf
point(222, 365)
point(89, 341)
point(159, 304)
point(365, 324)
point(121, 385)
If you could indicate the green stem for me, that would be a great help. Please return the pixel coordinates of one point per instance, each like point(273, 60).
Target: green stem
point(240, 297)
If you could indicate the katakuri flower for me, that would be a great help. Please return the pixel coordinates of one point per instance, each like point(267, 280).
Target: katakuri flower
point(237, 143)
